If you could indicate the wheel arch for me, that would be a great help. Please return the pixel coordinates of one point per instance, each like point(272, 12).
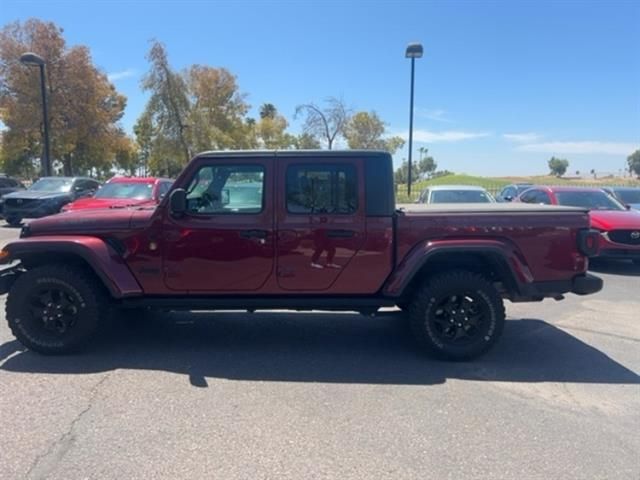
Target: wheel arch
point(92, 253)
point(492, 260)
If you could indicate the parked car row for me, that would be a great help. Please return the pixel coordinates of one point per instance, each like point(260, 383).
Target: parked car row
point(612, 211)
point(50, 195)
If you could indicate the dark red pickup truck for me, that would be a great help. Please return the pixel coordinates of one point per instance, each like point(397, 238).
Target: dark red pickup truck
point(295, 230)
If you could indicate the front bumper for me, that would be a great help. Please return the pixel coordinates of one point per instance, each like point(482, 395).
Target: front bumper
point(37, 210)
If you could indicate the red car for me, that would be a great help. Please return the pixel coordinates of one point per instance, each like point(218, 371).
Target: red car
point(619, 227)
point(122, 192)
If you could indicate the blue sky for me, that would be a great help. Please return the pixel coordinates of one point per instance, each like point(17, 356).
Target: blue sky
point(501, 88)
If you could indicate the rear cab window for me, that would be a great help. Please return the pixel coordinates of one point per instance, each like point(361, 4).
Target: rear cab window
point(322, 189)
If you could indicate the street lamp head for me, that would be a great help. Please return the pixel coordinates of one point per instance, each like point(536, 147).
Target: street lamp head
point(32, 59)
point(414, 50)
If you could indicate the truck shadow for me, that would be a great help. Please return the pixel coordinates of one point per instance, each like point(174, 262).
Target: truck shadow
point(318, 347)
point(614, 267)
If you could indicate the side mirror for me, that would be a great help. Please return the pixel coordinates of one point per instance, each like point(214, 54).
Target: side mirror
point(628, 207)
point(178, 202)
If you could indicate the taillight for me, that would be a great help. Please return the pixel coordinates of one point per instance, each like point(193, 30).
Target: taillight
point(589, 242)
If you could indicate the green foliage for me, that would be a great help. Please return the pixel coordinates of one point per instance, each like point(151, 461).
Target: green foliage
point(305, 141)
point(634, 162)
point(558, 166)
point(366, 130)
point(271, 129)
point(84, 108)
point(426, 165)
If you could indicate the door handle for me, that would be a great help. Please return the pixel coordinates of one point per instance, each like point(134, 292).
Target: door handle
point(253, 233)
point(340, 233)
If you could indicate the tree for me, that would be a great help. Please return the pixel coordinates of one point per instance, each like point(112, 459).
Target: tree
point(168, 109)
point(305, 141)
point(366, 130)
point(324, 123)
point(558, 166)
point(633, 161)
point(84, 107)
point(271, 129)
point(198, 109)
point(401, 175)
point(217, 110)
point(426, 165)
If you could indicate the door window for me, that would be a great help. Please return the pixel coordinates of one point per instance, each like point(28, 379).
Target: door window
point(322, 189)
point(221, 189)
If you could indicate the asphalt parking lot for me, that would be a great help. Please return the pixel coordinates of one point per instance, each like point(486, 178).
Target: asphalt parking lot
point(289, 395)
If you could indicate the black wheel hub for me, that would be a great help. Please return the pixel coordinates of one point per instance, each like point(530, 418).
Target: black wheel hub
point(458, 319)
point(56, 308)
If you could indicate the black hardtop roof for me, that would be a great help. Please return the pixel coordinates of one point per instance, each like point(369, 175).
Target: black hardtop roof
point(295, 153)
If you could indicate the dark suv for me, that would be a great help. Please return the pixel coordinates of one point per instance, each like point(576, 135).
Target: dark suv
point(46, 197)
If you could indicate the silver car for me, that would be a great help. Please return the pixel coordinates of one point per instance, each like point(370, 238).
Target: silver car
point(455, 194)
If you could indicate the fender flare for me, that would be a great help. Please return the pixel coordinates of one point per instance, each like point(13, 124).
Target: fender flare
point(105, 262)
point(503, 255)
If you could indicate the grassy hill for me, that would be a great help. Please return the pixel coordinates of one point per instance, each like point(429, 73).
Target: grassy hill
point(495, 184)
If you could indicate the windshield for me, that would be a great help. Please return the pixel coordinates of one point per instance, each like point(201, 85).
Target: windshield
point(135, 191)
point(589, 200)
point(460, 196)
point(629, 196)
point(52, 185)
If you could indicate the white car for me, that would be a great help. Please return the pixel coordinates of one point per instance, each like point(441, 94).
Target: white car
point(455, 194)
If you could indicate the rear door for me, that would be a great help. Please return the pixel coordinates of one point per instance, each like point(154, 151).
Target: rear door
point(321, 220)
point(225, 242)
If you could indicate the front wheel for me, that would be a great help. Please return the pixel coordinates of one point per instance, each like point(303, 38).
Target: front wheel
point(13, 220)
point(55, 309)
point(457, 315)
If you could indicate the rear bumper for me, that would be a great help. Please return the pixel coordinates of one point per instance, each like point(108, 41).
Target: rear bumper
point(584, 284)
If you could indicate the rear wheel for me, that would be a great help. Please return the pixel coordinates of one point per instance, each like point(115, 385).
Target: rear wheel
point(457, 315)
point(56, 309)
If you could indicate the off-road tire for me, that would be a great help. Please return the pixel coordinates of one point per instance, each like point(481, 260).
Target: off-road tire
point(83, 301)
point(431, 319)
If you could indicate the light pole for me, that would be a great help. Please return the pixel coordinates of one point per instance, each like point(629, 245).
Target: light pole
point(31, 59)
point(414, 50)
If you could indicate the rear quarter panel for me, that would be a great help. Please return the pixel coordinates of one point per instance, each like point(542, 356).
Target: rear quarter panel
point(540, 246)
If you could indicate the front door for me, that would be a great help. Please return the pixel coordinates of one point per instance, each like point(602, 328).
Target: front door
point(225, 242)
point(321, 221)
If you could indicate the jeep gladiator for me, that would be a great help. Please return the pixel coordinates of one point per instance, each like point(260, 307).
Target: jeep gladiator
point(297, 230)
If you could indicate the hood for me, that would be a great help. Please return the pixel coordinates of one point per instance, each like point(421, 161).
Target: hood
point(615, 220)
point(100, 203)
point(31, 194)
point(98, 222)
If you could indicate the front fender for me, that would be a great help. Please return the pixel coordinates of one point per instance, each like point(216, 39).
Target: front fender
point(101, 258)
point(419, 256)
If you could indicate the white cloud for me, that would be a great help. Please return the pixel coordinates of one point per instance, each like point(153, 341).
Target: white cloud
point(428, 136)
point(115, 76)
point(521, 137)
point(438, 114)
point(584, 147)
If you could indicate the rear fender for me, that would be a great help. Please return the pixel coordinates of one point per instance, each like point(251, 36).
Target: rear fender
point(512, 270)
point(95, 252)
